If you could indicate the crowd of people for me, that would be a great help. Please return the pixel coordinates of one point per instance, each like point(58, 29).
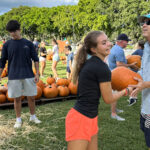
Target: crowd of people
point(90, 69)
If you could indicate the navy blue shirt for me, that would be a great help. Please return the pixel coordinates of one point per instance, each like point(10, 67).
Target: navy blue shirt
point(19, 54)
point(92, 73)
point(138, 52)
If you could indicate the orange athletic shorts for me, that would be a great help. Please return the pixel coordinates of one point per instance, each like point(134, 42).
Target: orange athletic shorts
point(80, 127)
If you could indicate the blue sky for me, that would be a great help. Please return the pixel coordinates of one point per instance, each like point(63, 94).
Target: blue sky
point(6, 5)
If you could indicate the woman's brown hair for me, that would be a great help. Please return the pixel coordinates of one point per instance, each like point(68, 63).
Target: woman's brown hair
point(90, 41)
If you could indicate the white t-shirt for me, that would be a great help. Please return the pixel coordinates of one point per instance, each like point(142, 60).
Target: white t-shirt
point(55, 50)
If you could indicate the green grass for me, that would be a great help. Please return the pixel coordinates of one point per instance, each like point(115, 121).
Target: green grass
point(50, 134)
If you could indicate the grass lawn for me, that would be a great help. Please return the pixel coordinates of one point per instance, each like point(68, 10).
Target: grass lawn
point(50, 134)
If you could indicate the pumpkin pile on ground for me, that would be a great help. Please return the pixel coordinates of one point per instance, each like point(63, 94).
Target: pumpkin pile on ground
point(122, 77)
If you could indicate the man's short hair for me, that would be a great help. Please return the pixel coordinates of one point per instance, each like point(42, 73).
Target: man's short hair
point(12, 26)
point(68, 47)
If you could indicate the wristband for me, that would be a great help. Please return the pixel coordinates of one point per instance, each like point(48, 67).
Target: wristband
point(126, 92)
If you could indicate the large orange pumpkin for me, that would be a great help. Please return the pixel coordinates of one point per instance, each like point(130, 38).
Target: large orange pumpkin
point(122, 77)
point(73, 88)
point(2, 98)
point(63, 91)
point(134, 58)
point(50, 91)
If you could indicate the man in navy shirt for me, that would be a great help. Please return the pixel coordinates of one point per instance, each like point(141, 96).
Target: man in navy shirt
point(19, 53)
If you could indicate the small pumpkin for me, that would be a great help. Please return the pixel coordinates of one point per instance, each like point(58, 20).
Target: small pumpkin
point(63, 91)
point(3, 89)
point(50, 80)
point(121, 77)
point(2, 98)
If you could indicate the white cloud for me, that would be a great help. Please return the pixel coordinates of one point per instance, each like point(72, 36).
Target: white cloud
point(6, 5)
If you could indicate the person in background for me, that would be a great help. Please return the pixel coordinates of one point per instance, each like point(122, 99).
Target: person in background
point(144, 85)
point(70, 56)
point(21, 81)
point(36, 45)
point(55, 53)
point(139, 51)
point(43, 54)
point(94, 80)
point(3, 41)
point(117, 58)
point(140, 47)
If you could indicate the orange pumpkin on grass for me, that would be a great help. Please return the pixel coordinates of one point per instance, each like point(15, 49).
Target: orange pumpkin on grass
point(50, 91)
point(50, 80)
point(121, 77)
point(2, 98)
point(63, 91)
point(73, 88)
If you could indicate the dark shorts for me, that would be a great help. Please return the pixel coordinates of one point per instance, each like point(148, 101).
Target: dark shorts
point(68, 70)
point(145, 127)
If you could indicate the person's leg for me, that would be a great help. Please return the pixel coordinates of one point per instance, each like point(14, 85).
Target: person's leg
point(54, 64)
point(113, 109)
point(114, 113)
point(30, 90)
point(17, 106)
point(77, 145)
point(42, 68)
point(93, 144)
point(31, 103)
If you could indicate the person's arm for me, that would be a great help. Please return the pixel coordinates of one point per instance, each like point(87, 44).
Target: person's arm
point(36, 64)
point(118, 63)
point(140, 86)
point(108, 96)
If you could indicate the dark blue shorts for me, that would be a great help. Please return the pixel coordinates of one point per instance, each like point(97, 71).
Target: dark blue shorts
point(68, 70)
point(146, 130)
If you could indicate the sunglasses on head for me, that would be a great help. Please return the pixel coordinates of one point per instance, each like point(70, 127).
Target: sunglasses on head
point(145, 22)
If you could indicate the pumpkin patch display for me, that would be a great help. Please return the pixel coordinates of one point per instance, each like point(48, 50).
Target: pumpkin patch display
point(50, 91)
point(134, 58)
point(121, 77)
point(63, 91)
point(73, 88)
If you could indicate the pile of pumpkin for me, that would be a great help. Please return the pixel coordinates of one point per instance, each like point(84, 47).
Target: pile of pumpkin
point(63, 87)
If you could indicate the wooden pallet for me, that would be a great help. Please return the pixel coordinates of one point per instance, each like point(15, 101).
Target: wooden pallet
point(41, 101)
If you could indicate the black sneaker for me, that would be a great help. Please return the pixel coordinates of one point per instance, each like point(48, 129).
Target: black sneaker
point(132, 101)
